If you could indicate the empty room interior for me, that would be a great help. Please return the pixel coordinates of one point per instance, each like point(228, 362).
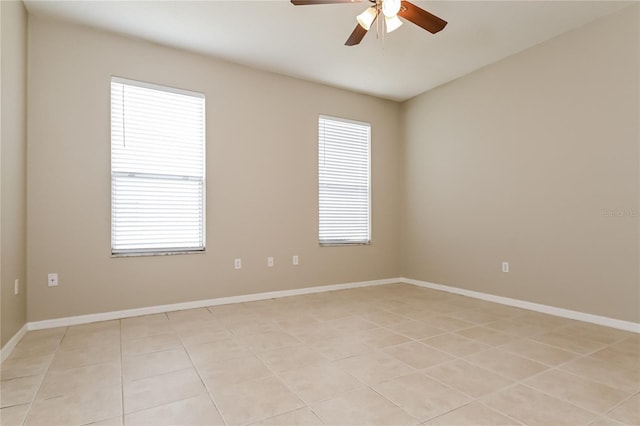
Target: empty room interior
point(320, 212)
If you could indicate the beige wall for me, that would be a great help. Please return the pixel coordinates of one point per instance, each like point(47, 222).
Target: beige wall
point(13, 33)
point(261, 178)
point(521, 162)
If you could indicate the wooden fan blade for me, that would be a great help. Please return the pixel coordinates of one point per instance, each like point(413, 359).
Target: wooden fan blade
point(356, 36)
point(311, 2)
point(421, 17)
point(358, 33)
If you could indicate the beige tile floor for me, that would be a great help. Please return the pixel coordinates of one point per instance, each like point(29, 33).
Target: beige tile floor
point(387, 355)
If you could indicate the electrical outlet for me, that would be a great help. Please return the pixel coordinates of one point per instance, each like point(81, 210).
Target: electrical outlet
point(52, 279)
point(295, 260)
point(16, 286)
point(237, 263)
point(270, 262)
point(505, 266)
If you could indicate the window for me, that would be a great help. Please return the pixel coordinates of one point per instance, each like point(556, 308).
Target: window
point(157, 169)
point(344, 181)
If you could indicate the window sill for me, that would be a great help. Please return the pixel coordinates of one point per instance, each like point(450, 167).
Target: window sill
point(364, 243)
point(156, 253)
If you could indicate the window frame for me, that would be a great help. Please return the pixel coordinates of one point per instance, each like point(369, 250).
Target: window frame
point(140, 252)
point(347, 242)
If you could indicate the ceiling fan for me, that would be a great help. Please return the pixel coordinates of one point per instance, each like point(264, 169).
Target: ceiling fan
point(391, 9)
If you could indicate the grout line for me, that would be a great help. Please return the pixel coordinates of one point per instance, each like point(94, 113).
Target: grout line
point(204, 384)
point(35, 396)
point(625, 400)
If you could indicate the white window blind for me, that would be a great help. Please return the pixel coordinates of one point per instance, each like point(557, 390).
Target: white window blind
point(344, 181)
point(157, 169)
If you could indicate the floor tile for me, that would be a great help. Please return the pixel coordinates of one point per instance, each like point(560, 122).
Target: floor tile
point(339, 348)
point(299, 417)
point(374, 367)
point(606, 421)
point(189, 315)
point(351, 324)
point(384, 355)
point(291, 323)
point(311, 333)
point(319, 382)
point(535, 408)
point(230, 310)
point(36, 345)
point(219, 350)
point(455, 344)
point(291, 358)
point(268, 341)
point(474, 414)
point(145, 365)
point(507, 364)
point(475, 316)
point(198, 410)
point(569, 342)
point(379, 338)
point(77, 408)
point(517, 327)
point(420, 396)
point(106, 335)
point(416, 329)
point(250, 326)
point(209, 333)
point(581, 392)
point(607, 373)
point(14, 415)
point(448, 323)
point(550, 322)
point(362, 408)
point(80, 356)
point(625, 353)
point(113, 421)
point(485, 335)
point(256, 400)
point(594, 332)
point(153, 319)
point(327, 313)
point(13, 367)
point(54, 334)
point(99, 327)
point(218, 374)
point(383, 318)
point(155, 343)
point(19, 391)
point(539, 352)
point(418, 355)
point(468, 378)
point(144, 326)
point(157, 390)
point(81, 379)
point(628, 412)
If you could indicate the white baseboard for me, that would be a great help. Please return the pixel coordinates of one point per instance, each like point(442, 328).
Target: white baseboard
point(552, 310)
point(106, 316)
point(11, 344)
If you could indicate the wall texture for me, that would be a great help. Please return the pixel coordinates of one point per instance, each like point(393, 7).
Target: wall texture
point(13, 195)
point(534, 161)
point(261, 178)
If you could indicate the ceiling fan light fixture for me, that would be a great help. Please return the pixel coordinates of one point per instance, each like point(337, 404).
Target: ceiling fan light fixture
point(366, 18)
point(392, 23)
point(390, 8)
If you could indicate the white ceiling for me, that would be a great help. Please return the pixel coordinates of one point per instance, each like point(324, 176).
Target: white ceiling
point(308, 41)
